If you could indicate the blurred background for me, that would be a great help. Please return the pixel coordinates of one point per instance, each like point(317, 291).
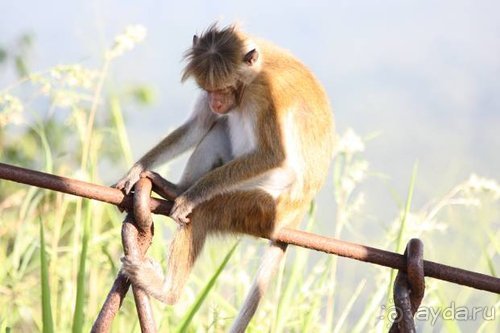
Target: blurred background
point(414, 85)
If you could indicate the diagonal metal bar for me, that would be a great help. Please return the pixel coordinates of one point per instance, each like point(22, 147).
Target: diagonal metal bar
point(289, 236)
point(111, 305)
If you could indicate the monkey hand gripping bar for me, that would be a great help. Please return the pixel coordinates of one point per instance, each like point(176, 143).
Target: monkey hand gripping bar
point(137, 233)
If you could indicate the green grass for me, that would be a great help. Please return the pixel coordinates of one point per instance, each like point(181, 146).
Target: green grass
point(47, 320)
point(202, 295)
point(400, 240)
point(78, 317)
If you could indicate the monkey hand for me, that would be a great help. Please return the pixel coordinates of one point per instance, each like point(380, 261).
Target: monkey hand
point(127, 183)
point(162, 186)
point(181, 209)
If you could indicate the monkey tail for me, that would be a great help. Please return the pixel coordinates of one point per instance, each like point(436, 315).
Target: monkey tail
point(270, 263)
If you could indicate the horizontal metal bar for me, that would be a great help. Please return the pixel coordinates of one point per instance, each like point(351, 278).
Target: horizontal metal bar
point(388, 259)
point(77, 187)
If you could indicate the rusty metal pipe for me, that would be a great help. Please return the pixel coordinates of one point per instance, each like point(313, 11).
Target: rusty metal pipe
point(136, 244)
point(111, 305)
point(289, 236)
point(77, 187)
point(137, 235)
point(388, 259)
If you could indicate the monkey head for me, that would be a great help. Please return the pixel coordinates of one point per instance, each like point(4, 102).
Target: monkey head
point(222, 62)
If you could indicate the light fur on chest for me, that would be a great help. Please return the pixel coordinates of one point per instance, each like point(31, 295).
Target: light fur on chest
point(244, 140)
point(241, 133)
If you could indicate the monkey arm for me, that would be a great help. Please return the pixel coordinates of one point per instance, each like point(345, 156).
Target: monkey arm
point(174, 144)
point(162, 186)
point(250, 171)
point(177, 142)
point(263, 168)
point(182, 138)
point(245, 172)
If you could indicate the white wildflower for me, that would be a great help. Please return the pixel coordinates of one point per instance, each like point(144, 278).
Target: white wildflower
point(481, 184)
point(356, 205)
point(74, 76)
point(418, 224)
point(133, 35)
point(354, 175)
point(65, 98)
point(432, 225)
point(358, 171)
point(43, 82)
point(347, 185)
point(350, 143)
point(11, 110)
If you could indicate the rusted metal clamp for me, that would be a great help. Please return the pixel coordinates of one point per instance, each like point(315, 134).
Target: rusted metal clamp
point(409, 288)
point(137, 234)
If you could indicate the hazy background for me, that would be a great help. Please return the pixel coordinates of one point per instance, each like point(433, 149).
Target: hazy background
point(424, 75)
point(422, 78)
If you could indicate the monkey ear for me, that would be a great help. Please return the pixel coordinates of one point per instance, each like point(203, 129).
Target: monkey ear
point(195, 39)
point(251, 57)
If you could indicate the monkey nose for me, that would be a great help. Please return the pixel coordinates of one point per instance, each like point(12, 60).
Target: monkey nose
point(217, 105)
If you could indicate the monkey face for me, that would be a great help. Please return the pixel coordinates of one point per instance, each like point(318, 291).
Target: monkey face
point(221, 101)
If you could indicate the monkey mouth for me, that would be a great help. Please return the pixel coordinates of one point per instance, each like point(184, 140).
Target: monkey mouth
point(221, 111)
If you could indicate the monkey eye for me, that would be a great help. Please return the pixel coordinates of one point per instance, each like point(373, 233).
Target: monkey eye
point(225, 90)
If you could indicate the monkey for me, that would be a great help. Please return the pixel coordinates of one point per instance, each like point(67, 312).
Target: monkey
point(263, 133)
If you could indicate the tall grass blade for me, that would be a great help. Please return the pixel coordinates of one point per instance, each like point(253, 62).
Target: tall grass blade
point(371, 310)
point(347, 309)
point(47, 321)
point(409, 198)
point(78, 316)
point(116, 112)
point(49, 162)
point(312, 317)
point(184, 324)
point(490, 263)
point(450, 326)
point(490, 322)
point(298, 265)
point(400, 237)
point(489, 255)
point(278, 292)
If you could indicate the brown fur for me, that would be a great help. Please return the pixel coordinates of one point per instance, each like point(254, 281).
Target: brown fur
point(292, 124)
point(251, 212)
point(214, 58)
